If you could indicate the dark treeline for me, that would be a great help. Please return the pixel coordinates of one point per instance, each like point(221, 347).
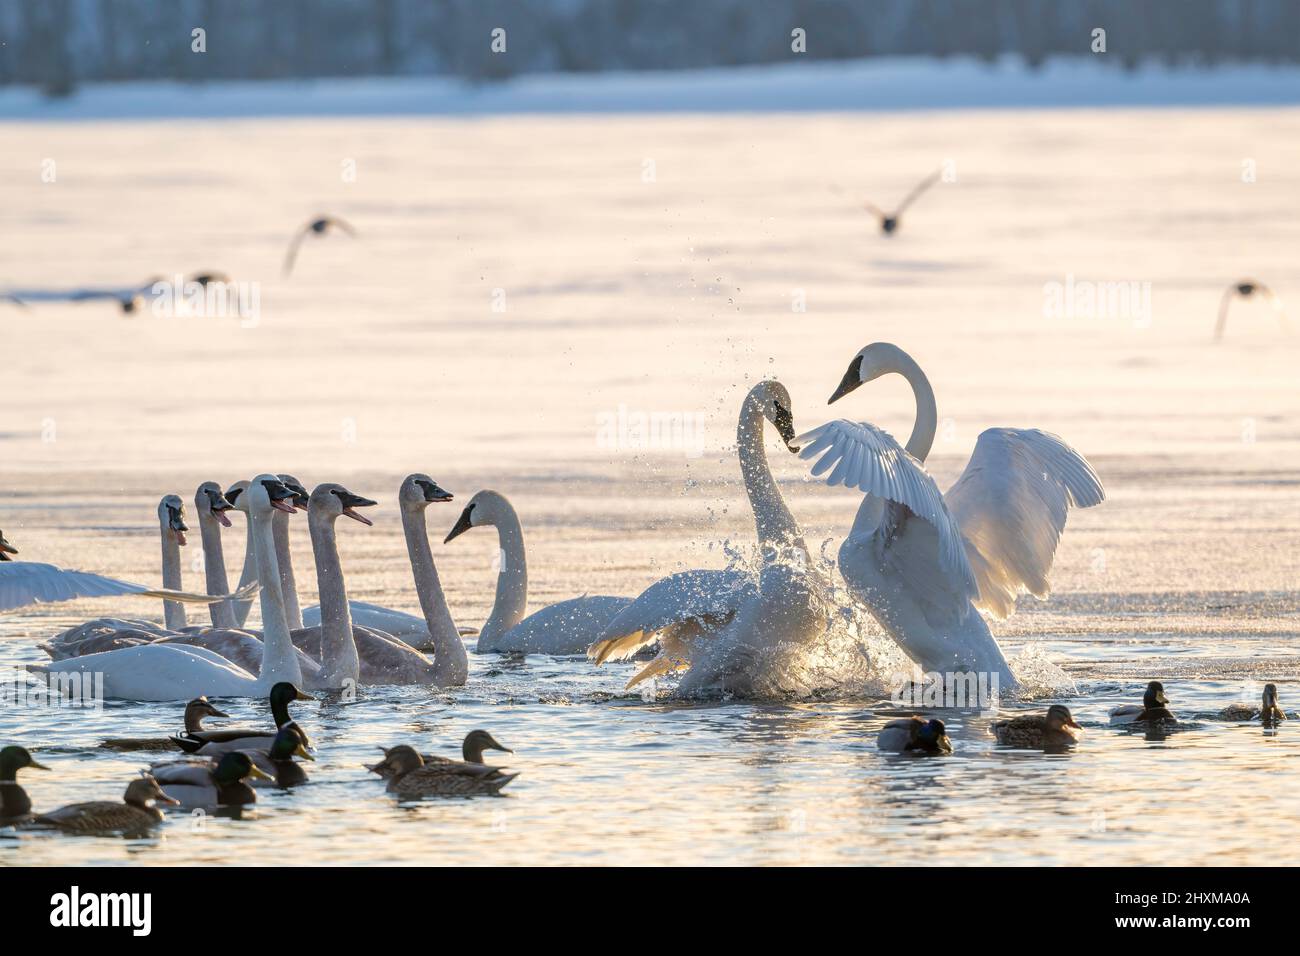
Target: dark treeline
point(57, 44)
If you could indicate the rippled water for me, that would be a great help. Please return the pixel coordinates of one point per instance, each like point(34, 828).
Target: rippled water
point(385, 357)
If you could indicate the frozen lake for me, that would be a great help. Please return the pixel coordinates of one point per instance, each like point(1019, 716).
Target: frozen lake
point(520, 280)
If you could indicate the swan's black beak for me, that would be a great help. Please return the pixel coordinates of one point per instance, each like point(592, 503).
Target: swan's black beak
point(351, 501)
point(300, 496)
point(232, 494)
point(280, 495)
point(432, 492)
point(463, 524)
point(851, 380)
point(785, 426)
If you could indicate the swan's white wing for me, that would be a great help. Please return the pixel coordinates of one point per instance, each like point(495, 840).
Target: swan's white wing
point(860, 455)
point(706, 598)
point(1011, 503)
point(27, 582)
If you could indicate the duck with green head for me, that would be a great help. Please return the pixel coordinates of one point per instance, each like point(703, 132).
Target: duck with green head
point(195, 711)
point(15, 807)
point(1267, 713)
point(136, 812)
point(1152, 711)
point(410, 777)
point(914, 735)
point(277, 762)
point(199, 782)
point(211, 743)
point(1055, 729)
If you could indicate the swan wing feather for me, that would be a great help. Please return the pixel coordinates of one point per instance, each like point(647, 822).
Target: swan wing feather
point(869, 459)
point(23, 583)
point(1011, 504)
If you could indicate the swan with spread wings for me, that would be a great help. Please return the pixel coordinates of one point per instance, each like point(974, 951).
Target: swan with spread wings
point(926, 563)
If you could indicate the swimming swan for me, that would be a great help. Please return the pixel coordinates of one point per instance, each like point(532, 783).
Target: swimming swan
point(717, 625)
point(925, 563)
point(181, 672)
point(564, 628)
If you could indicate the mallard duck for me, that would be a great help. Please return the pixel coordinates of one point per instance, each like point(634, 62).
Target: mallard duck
point(211, 743)
point(14, 803)
point(1268, 712)
point(476, 741)
point(199, 782)
point(914, 735)
point(1151, 711)
point(409, 776)
point(1056, 728)
point(135, 814)
point(195, 711)
point(278, 763)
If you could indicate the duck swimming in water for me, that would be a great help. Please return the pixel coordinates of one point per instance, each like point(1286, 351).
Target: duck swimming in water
point(277, 762)
point(1056, 728)
point(135, 814)
point(195, 711)
point(410, 777)
point(15, 806)
point(476, 741)
point(196, 782)
point(1268, 712)
point(213, 742)
point(1152, 711)
point(914, 735)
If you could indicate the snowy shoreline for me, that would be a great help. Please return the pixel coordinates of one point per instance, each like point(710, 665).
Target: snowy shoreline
point(878, 85)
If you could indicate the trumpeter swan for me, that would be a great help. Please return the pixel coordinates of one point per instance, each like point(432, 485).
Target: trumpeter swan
point(925, 563)
point(564, 628)
point(719, 626)
point(180, 672)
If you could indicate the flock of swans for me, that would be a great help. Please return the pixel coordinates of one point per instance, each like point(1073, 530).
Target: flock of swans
point(928, 566)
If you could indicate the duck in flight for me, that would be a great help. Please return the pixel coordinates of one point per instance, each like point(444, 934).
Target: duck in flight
point(890, 221)
point(1247, 289)
point(319, 227)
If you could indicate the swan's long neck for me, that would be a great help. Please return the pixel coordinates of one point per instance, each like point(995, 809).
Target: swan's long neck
point(248, 575)
point(173, 611)
point(214, 569)
point(919, 443)
point(338, 649)
point(288, 586)
point(512, 580)
point(775, 525)
point(450, 663)
point(279, 661)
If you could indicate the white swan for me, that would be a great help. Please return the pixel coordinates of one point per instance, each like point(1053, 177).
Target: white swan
point(178, 672)
point(924, 563)
point(564, 628)
point(248, 573)
point(435, 631)
point(283, 557)
point(723, 626)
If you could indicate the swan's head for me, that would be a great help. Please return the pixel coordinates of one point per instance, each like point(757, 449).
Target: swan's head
point(334, 500)
point(300, 496)
point(1155, 695)
point(6, 548)
point(485, 508)
point(144, 790)
point(774, 399)
point(267, 493)
point(877, 359)
point(201, 707)
point(236, 495)
point(1059, 716)
point(210, 500)
point(419, 491)
point(171, 515)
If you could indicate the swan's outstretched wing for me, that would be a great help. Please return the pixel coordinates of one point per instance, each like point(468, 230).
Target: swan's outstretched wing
point(702, 598)
point(25, 582)
point(1010, 504)
point(860, 455)
point(915, 194)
